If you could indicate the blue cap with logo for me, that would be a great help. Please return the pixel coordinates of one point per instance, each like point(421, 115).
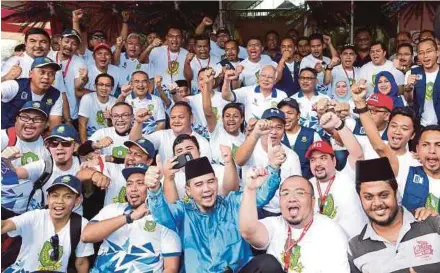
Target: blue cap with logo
point(70, 33)
point(144, 144)
point(37, 106)
point(139, 168)
point(44, 61)
point(69, 181)
point(65, 132)
point(273, 113)
point(290, 102)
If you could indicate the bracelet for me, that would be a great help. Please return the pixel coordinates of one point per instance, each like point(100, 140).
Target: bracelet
point(361, 110)
point(341, 126)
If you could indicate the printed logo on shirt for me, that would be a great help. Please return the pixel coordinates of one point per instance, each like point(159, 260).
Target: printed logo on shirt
point(100, 118)
point(423, 250)
point(173, 68)
point(215, 111)
point(373, 80)
point(304, 139)
point(151, 107)
point(234, 150)
point(28, 157)
point(138, 66)
point(418, 179)
point(257, 75)
point(121, 196)
point(429, 91)
point(24, 96)
point(49, 101)
point(294, 264)
point(150, 226)
point(46, 262)
point(432, 202)
point(329, 207)
point(119, 152)
point(274, 104)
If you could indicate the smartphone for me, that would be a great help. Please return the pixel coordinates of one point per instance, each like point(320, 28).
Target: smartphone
point(182, 160)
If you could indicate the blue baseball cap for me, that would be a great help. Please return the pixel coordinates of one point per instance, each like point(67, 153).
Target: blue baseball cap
point(139, 168)
point(144, 144)
point(290, 102)
point(69, 181)
point(70, 33)
point(65, 132)
point(44, 61)
point(37, 106)
point(274, 113)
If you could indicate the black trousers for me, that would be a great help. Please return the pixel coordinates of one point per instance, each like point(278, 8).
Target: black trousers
point(264, 263)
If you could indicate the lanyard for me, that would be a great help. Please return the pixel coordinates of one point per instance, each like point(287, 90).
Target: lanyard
point(172, 64)
point(323, 197)
point(292, 243)
point(67, 65)
point(209, 60)
point(346, 74)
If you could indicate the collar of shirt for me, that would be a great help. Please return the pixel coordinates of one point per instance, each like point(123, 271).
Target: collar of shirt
point(408, 219)
point(274, 91)
point(301, 94)
point(190, 204)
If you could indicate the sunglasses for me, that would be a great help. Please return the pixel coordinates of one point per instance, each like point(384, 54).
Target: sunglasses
point(55, 243)
point(64, 143)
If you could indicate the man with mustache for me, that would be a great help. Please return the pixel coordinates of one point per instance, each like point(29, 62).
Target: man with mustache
point(404, 57)
point(362, 42)
point(298, 240)
point(394, 240)
point(231, 61)
point(403, 37)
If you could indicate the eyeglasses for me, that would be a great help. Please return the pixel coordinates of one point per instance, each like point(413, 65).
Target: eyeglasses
point(374, 111)
point(36, 119)
point(104, 85)
point(123, 116)
point(306, 78)
point(297, 194)
point(424, 53)
point(56, 143)
point(55, 243)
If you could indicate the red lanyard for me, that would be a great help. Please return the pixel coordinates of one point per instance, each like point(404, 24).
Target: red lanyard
point(209, 60)
point(346, 74)
point(321, 197)
point(67, 65)
point(292, 243)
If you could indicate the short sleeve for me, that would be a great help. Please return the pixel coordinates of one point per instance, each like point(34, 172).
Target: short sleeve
point(34, 169)
point(24, 223)
point(160, 113)
point(170, 244)
point(57, 108)
point(8, 65)
point(104, 214)
point(5, 139)
point(316, 137)
point(84, 106)
point(84, 249)
point(9, 90)
point(156, 138)
point(241, 95)
point(270, 225)
point(97, 135)
point(274, 64)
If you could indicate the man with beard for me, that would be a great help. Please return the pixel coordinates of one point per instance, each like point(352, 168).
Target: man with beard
point(298, 239)
point(419, 186)
point(255, 98)
point(268, 132)
point(38, 87)
point(337, 195)
point(362, 41)
point(26, 135)
point(110, 141)
point(207, 223)
point(379, 63)
point(394, 240)
point(288, 68)
point(181, 118)
point(94, 107)
point(317, 61)
point(71, 65)
point(422, 83)
point(202, 59)
point(131, 227)
point(231, 61)
point(47, 237)
point(102, 55)
point(303, 45)
point(218, 47)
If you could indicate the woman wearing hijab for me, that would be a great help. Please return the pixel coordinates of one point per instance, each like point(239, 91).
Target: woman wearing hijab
point(386, 85)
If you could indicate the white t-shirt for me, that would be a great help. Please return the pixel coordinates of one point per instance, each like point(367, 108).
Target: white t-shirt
point(369, 71)
point(117, 148)
point(163, 141)
point(91, 108)
point(220, 52)
point(434, 194)
point(196, 103)
point(405, 161)
point(322, 249)
point(116, 190)
point(342, 203)
point(152, 103)
point(291, 166)
point(254, 101)
point(367, 147)
point(249, 75)
point(220, 137)
point(31, 151)
point(338, 72)
point(127, 66)
point(10, 89)
point(93, 72)
point(25, 63)
point(196, 65)
point(71, 72)
point(308, 118)
point(144, 239)
point(36, 169)
point(88, 57)
point(36, 229)
point(429, 116)
point(311, 61)
point(159, 64)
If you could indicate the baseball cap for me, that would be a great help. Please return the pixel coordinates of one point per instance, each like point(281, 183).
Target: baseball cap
point(65, 132)
point(144, 144)
point(274, 113)
point(222, 30)
point(69, 181)
point(70, 33)
point(290, 102)
point(35, 105)
point(139, 168)
point(321, 146)
point(348, 46)
point(44, 61)
point(381, 101)
point(102, 45)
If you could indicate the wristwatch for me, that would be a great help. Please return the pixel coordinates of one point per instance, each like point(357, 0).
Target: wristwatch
point(340, 126)
point(329, 67)
point(361, 110)
point(128, 218)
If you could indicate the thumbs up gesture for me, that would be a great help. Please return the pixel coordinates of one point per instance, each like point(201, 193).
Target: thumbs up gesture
point(153, 176)
point(14, 72)
point(276, 155)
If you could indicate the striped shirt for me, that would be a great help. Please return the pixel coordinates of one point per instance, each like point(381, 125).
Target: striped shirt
point(417, 246)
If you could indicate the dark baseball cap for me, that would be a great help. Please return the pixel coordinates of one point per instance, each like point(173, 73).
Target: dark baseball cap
point(71, 33)
point(144, 144)
point(69, 181)
point(40, 62)
point(65, 132)
point(290, 102)
point(274, 113)
point(37, 106)
point(139, 168)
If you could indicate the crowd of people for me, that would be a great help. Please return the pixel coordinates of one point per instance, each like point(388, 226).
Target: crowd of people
point(198, 154)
